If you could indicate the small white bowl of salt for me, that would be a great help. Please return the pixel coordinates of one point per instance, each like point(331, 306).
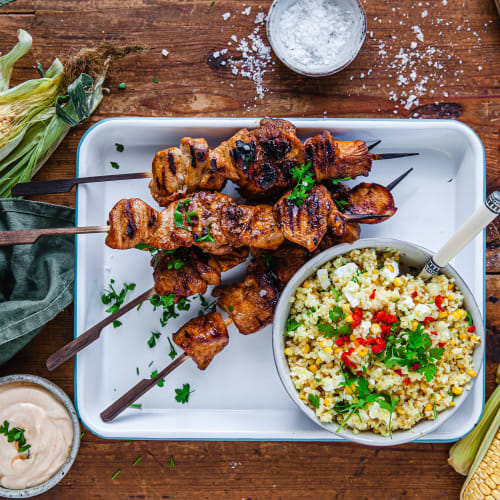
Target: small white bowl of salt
point(316, 37)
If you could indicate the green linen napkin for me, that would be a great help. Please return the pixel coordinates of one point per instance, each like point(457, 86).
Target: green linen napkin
point(36, 281)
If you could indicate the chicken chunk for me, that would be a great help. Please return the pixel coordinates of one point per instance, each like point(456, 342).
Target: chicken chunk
point(251, 302)
point(371, 199)
point(305, 225)
point(202, 338)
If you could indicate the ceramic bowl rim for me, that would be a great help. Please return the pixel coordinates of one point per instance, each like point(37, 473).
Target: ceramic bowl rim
point(271, 30)
point(282, 310)
point(68, 404)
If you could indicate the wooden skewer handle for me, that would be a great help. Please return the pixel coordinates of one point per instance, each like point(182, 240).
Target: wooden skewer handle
point(92, 334)
point(25, 236)
point(65, 185)
point(139, 389)
point(483, 216)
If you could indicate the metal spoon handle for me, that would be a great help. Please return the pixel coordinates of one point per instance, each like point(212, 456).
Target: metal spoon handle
point(483, 216)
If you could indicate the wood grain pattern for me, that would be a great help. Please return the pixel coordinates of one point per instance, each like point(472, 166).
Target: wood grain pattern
point(187, 85)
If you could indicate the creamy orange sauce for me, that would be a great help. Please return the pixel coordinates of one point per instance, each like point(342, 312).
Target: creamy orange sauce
point(48, 429)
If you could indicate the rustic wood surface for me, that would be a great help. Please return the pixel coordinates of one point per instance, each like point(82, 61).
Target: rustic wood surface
point(465, 30)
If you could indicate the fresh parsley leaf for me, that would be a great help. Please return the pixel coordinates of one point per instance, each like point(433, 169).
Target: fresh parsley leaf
point(207, 237)
point(291, 325)
point(327, 330)
point(137, 406)
point(155, 80)
point(160, 383)
point(172, 463)
point(336, 181)
point(115, 165)
point(175, 264)
point(313, 399)
point(341, 204)
point(208, 306)
point(154, 337)
point(122, 86)
point(119, 147)
point(469, 317)
point(434, 410)
point(180, 211)
point(173, 352)
point(116, 299)
point(305, 182)
point(182, 395)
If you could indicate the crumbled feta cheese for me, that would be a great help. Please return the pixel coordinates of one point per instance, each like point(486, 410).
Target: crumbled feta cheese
point(226, 16)
point(408, 303)
point(388, 274)
point(350, 292)
point(346, 272)
point(421, 311)
point(324, 281)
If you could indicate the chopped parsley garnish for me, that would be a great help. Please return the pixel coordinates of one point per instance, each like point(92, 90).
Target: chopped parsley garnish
point(336, 181)
point(116, 474)
point(329, 331)
point(117, 323)
point(175, 264)
point(332, 288)
point(170, 308)
point(181, 211)
point(435, 411)
point(356, 276)
point(173, 352)
point(208, 306)
point(119, 147)
point(172, 463)
point(291, 325)
point(231, 308)
point(160, 383)
point(469, 317)
point(111, 296)
point(155, 80)
point(115, 165)
point(336, 314)
point(313, 399)
point(341, 204)
point(363, 396)
point(122, 86)
point(137, 460)
point(137, 370)
point(154, 337)
point(156, 253)
point(137, 406)
point(207, 237)
point(16, 435)
point(269, 260)
point(182, 395)
point(305, 182)
point(413, 349)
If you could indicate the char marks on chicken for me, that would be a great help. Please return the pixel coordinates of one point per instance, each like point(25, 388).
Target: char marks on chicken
point(202, 338)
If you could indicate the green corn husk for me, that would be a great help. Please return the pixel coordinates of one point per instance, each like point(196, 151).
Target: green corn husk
point(463, 452)
point(36, 115)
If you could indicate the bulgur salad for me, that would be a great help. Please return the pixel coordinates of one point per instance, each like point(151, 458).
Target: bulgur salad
point(374, 350)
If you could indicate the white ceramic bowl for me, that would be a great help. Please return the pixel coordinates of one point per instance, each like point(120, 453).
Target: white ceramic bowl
point(353, 47)
point(66, 401)
point(411, 255)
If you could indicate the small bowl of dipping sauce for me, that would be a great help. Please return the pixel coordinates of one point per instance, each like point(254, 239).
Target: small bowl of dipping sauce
point(39, 435)
point(316, 37)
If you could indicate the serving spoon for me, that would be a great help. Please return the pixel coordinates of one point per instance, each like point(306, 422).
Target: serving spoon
point(483, 216)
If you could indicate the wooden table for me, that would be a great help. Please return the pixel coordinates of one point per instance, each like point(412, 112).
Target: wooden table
point(187, 84)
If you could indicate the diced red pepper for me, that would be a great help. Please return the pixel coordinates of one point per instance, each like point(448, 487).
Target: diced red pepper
point(407, 381)
point(339, 341)
point(441, 344)
point(370, 341)
point(439, 302)
point(428, 319)
point(414, 294)
point(415, 367)
point(434, 333)
point(359, 373)
point(360, 341)
point(379, 346)
point(399, 372)
point(372, 295)
point(471, 329)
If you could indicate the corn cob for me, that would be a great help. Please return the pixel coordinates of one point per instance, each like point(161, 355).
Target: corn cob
point(483, 481)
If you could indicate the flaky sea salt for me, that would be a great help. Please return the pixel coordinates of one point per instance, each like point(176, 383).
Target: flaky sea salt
point(226, 16)
point(316, 32)
point(164, 52)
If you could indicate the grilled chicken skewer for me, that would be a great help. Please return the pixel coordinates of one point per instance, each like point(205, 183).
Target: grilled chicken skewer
point(201, 339)
point(259, 161)
point(198, 270)
point(211, 221)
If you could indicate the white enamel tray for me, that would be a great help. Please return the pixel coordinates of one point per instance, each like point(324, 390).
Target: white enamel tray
point(239, 396)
